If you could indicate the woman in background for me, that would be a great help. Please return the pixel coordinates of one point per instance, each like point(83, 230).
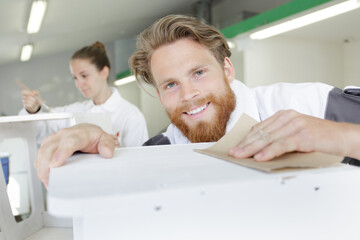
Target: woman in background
point(90, 67)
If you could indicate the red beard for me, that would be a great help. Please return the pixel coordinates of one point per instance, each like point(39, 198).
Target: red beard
point(207, 131)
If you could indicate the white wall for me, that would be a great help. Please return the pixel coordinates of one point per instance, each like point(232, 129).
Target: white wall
point(285, 59)
point(352, 63)
point(237, 59)
point(124, 48)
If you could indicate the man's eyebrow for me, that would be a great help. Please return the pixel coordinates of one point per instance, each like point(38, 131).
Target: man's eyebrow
point(189, 72)
point(196, 68)
point(166, 81)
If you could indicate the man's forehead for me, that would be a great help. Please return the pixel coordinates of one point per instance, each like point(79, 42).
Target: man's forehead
point(180, 56)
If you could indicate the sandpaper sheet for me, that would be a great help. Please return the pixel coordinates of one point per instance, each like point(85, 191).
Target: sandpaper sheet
point(289, 161)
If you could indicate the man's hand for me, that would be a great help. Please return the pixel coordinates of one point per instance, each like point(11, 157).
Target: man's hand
point(58, 147)
point(31, 100)
point(289, 131)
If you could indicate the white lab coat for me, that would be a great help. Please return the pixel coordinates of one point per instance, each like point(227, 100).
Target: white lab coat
point(128, 123)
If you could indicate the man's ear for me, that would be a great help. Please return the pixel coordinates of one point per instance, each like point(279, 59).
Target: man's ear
point(229, 70)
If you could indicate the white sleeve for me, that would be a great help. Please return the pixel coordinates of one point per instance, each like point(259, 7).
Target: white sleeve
point(134, 130)
point(306, 98)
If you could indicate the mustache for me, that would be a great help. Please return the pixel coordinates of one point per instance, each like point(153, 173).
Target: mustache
point(186, 107)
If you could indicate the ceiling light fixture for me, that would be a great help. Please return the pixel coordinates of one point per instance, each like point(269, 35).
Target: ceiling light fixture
point(307, 19)
point(231, 44)
point(125, 80)
point(26, 52)
point(37, 13)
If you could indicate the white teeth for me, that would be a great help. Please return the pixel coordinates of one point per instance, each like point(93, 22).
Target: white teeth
point(197, 110)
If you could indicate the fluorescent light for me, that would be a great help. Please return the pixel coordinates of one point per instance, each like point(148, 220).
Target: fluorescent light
point(126, 80)
point(231, 44)
point(37, 13)
point(26, 52)
point(306, 19)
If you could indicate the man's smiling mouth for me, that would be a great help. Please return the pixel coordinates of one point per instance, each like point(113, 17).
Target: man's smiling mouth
point(198, 110)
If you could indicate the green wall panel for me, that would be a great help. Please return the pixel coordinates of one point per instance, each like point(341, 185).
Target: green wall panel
point(275, 14)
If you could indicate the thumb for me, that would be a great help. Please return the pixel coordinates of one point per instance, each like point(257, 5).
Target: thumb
point(25, 92)
point(60, 156)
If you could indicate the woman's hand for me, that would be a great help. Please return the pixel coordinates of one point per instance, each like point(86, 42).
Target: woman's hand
point(31, 100)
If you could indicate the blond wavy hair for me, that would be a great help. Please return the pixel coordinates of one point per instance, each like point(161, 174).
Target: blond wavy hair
point(168, 30)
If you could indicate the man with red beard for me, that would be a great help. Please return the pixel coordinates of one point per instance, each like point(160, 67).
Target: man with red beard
point(188, 63)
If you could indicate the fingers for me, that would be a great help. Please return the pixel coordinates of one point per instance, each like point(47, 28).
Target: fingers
point(31, 100)
point(66, 146)
point(30, 93)
point(263, 129)
point(57, 148)
point(277, 148)
point(54, 152)
point(268, 139)
point(107, 145)
point(44, 156)
point(249, 148)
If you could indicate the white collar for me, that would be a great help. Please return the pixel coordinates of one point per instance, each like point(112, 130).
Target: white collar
point(112, 102)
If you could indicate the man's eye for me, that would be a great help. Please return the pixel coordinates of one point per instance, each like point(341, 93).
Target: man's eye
point(84, 76)
point(171, 85)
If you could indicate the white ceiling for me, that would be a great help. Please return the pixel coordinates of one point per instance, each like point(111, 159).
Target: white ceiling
point(69, 24)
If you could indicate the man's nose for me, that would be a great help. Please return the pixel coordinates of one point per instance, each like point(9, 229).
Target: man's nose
point(189, 91)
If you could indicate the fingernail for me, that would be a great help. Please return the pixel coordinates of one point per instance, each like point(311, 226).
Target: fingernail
point(259, 157)
point(232, 150)
point(236, 151)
